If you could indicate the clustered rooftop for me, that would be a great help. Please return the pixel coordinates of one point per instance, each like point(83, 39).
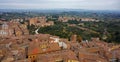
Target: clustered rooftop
point(16, 45)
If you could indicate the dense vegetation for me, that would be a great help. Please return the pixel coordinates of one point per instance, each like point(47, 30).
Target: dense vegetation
point(111, 30)
point(65, 31)
point(106, 31)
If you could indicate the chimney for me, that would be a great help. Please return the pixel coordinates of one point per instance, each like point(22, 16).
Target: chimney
point(73, 38)
point(26, 52)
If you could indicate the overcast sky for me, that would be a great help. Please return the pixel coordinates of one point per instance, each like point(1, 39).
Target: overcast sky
point(57, 4)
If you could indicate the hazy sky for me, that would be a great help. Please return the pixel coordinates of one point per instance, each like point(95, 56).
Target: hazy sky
point(57, 4)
